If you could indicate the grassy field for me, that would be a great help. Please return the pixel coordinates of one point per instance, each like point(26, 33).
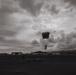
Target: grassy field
point(37, 65)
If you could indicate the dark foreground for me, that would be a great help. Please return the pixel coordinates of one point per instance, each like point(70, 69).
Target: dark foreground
point(37, 65)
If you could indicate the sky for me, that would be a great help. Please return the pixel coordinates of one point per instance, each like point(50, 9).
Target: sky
point(22, 20)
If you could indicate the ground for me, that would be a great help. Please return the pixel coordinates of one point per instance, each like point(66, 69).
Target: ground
point(37, 65)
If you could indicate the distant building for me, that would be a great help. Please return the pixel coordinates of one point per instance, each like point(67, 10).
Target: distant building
point(16, 53)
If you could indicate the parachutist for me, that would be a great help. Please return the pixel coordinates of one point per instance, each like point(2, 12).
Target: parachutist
point(45, 47)
point(44, 40)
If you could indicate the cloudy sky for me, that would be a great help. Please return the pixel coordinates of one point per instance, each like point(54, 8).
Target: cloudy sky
point(21, 20)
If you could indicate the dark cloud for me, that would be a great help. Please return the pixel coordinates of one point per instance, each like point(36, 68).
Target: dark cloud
point(2, 39)
point(2, 19)
point(72, 2)
point(8, 9)
point(4, 24)
point(8, 6)
point(54, 9)
point(7, 33)
point(6, 27)
point(31, 6)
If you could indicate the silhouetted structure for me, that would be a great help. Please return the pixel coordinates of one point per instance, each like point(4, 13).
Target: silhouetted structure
point(39, 53)
point(16, 53)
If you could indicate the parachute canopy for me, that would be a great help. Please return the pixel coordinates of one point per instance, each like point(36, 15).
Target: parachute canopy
point(45, 35)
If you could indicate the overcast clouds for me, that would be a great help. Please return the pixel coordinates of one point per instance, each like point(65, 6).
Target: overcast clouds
point(20, 20)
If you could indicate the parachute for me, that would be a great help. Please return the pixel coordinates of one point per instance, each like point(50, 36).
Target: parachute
point(45, 35)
